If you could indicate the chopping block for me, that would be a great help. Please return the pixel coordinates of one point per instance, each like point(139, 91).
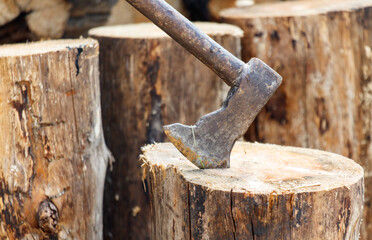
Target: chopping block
point(269, 192)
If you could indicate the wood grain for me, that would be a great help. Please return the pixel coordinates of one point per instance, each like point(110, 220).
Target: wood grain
point(269, 192)
point(53, 155)
point(323, 52)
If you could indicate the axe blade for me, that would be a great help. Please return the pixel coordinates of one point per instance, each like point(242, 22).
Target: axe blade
point(209, 142)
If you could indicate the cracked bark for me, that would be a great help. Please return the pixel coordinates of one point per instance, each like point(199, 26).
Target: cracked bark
point(270, 192)
point(53, 156)
point(148, 80)
point(324, 54)
point(232, 214)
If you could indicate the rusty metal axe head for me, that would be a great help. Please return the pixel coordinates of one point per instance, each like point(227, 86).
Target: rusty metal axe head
point(208, 143)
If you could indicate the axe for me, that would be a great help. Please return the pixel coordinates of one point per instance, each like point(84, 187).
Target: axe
point(209, 142)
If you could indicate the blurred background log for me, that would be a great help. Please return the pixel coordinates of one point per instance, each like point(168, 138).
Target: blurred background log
point(269, 192)
point(323, 51)
point(26, 20)
point(195, 10)
point(30, 20)
point(148, 80)
point(52, 151)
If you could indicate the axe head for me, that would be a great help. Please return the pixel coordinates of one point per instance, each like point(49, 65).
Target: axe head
point(209, 142)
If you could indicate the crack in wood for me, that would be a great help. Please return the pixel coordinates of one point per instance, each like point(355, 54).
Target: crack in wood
point(189, 206)
point(232, 214)
point(155, 123)
point(29, 123)
point(51, 124)
point(79, 51)
point(252, 227)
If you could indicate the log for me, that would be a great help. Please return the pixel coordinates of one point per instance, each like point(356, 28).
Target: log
point(148, 80)
point(52, 151)
point(47, 19)
point(25, 20)
point(38, 19)
point(9, 10)
point(323, 51)
point(87, 14)
point(269, 192)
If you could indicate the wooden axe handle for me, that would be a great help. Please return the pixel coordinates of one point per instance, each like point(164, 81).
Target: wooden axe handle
point(223, 63)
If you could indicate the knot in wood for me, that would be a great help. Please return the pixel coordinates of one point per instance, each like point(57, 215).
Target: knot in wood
point(47, 216)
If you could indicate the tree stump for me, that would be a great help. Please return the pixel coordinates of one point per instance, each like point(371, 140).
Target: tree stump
point(269, 192)
point(323, 51)
point(52, 151)
point(148, 80)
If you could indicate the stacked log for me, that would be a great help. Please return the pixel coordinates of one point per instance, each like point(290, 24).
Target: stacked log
point(24, 20)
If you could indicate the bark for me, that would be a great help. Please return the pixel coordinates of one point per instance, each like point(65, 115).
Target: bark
point(269, 192)
point(148, 80)
point(324, 54)
point(53, 155)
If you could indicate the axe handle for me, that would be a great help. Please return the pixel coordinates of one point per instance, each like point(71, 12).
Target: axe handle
point(223, 63)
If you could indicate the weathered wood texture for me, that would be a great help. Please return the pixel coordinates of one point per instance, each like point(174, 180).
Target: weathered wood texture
point(24, 20)
point(270, 192)
point(323, 51)
point(148, 80)
point(52, 152)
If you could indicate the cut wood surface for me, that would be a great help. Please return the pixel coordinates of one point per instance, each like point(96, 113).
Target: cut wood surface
point(52, 152)
point(323, 51)
point(269, 192)
point(148, 80)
